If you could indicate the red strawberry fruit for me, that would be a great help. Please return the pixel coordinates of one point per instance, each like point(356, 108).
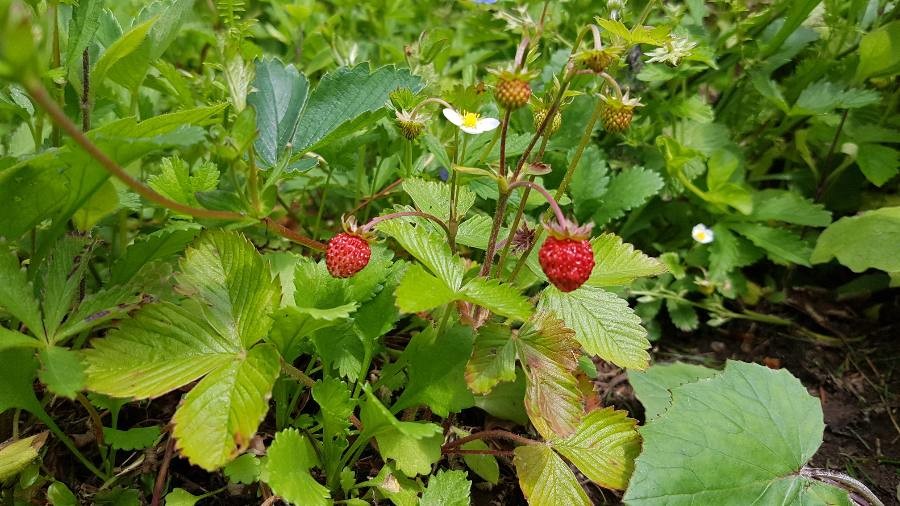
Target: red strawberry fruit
point(347, 253)
point(566, 256)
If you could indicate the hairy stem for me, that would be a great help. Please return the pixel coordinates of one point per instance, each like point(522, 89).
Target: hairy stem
point(489, 434)
point(297, 374)
point(560, 217)
point(378, 219)
point(846, 482)
point(85, 90)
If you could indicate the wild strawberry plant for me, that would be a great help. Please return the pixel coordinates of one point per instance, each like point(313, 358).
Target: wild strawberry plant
point(322, 284)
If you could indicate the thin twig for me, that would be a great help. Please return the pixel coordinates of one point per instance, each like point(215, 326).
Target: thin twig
point(160, 485)
point(489, 434)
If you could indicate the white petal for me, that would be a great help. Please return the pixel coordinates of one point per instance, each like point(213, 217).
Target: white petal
point(470, 130)
point(487, 124)
point(453, 116)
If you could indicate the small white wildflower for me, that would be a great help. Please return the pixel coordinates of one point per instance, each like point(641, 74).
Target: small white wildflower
point(470, 122)
point(702, 234)
point(674, 50)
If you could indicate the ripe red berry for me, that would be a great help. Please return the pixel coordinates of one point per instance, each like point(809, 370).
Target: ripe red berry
point(347, 254)
point(566, 261)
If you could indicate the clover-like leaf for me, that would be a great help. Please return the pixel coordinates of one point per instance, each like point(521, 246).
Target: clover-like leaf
point(546, 479)
point(603, 324)
point(209, 336)
point(740, 437)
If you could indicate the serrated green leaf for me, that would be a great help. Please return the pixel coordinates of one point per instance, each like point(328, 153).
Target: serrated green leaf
point(743, 434)
point(729, 251)
point(683, 315)
point(17, 294)
point(545, 479)
point(61, 371)
point(244, 469)
point(181, 497)
point(414, 446)
point(823, 97)
point(116, 55)
point(868, 240)
point(447, 488)
point(603, 447)
point(433, 197)
point(11, 339)
point(136, 438)
point(617, 263)
point(428, 247)
point(789, 207)
point(436, 371)
point(878, 52)
point(653, 386)
point(780, 244)
point(878, 163)
point(290, 457)
point(232, 278)
point(60, 280)
point(38, 192)
point(420, 291)
point(627, 190)
point(547, 351)
point(344, 102)
point(280, 93)
point(15, 455)
point(493, 359)
point(218, 417)
point(475, 232)
point(335, 405)
point(161, 244)
point(499, 298)
point(181, 183)
point(603, 324)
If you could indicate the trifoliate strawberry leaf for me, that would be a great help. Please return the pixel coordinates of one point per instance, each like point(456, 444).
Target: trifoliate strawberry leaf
point(345, 101)
point(290, 457)
point(413, 446)
point(789, 207)
point(499, 298)
point(60, 278)
point(823, 97)
point(436, 368)
point(137, 438)
point(740, 437)
point(683, 315)
point(653, 387)
point(447, 488)
point(475, 232)
point(280, 93)
point(15, 455)
point(166, 346)
point(218, 417)
point(420, 291)
point(546, 479)
point(17, 294)
point(547, 351)
point(428, 247)
point(861, 242)
point(781, 245)
point(603, 447)
point(61, 371)
point(627, 190)
point(617, 263)
point(433, 197)
point(180, 182)
point(603, 324)
point(162, 244)
point(493, 359)
point(232, 278)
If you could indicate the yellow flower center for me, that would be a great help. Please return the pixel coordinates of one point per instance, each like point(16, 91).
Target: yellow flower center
point(470, 119)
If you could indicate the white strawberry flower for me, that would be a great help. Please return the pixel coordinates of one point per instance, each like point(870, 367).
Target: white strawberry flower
point(702, 234)
point(470, 122)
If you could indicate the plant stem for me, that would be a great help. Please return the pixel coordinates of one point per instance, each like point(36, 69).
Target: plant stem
point(846, 482)
point(159, 485)
point(378, 219)
point(85, 90)
point(40, 95)
point(297, 374)
point(560, 217)
point(57, 62)
point(253, 180)
point(504, 126)
point(489, 434)
point(71, 446)
point(579, 151)
point(94, 416)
